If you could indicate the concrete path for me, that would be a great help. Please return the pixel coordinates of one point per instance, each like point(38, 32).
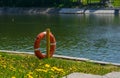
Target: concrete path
point(82, 75)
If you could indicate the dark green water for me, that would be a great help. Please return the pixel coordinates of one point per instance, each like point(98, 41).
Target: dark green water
point(95, 37)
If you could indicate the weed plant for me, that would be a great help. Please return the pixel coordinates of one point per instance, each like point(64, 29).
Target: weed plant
point(29, 66)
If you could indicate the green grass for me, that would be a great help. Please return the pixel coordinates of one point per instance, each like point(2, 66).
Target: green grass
point(115, 3)
point(29, 66)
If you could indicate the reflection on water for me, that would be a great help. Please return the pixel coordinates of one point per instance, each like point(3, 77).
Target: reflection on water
point(90, 36)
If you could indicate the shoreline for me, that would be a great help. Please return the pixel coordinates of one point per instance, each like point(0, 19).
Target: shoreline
point(29, 11)
point(35, 11)
point(89, 11)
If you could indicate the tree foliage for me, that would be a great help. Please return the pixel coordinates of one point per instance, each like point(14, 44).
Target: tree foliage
point(49, 3)
point(39, 3)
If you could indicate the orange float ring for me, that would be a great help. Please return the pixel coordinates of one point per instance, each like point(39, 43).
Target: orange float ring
point(37, 45)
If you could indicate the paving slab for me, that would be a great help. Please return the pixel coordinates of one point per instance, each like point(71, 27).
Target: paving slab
point(112, 75)
point(82, 75)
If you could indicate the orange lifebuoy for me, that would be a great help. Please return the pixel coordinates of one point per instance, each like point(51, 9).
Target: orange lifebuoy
point(37, 45)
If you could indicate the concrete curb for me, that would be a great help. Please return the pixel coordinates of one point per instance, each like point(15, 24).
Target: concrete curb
point(88, 11)
point(69, 58)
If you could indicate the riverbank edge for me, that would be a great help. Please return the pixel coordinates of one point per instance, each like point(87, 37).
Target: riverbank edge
point(31, 11)
point(89, 11)
point(68, 58)
point(28, 11)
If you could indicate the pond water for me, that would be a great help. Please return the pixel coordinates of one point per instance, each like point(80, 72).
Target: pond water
point(95, 37)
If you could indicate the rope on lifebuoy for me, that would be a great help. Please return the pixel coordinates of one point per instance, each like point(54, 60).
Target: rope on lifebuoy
point(37, 51)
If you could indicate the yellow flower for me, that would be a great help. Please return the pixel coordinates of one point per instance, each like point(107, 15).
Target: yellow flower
point(54, 68)
point(47, 65)
point(38, 70)
point(13, 77)
point(41, 70)
point(58, 70)
point(44, 70)
point(4, 66)
point(29, 75)
point(52, 76)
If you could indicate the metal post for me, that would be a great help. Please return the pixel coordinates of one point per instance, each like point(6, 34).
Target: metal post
point(48, 42)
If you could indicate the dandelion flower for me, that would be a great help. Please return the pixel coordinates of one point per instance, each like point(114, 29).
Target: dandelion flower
point(57, 70)
point(4, 66)
point(47, 65)
point(13, 77)
point(29, 75)
point(52, 76)
point(41, 70)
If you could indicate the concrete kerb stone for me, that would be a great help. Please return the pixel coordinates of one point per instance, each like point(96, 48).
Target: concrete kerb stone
point(89, 11)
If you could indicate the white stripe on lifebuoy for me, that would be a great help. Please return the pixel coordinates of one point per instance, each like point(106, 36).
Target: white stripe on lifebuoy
point(44, 33)
point(52, 43)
